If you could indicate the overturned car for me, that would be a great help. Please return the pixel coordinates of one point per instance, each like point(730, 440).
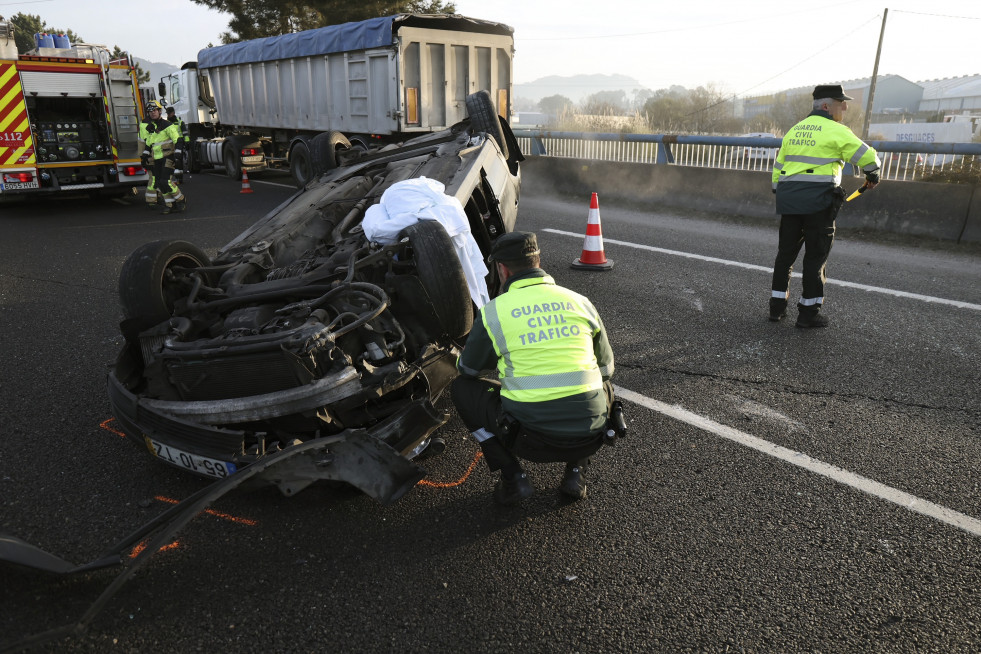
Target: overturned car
point(310, 333)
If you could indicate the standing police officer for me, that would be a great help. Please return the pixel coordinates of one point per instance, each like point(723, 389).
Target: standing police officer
point(806, 180)
point(162, 143)
point(554, 360)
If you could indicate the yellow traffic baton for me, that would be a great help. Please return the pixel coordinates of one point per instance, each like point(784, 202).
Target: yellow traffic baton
point(857, 193)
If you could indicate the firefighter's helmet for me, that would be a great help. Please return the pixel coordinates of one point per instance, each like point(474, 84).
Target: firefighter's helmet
point(153, 105)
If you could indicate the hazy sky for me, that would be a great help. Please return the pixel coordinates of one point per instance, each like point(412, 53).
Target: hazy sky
point(745, 48)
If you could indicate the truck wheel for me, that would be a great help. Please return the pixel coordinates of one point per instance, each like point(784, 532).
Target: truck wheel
point(233, 164)
point(324, 148)
point(150, 282)
point(301, 164)
point(193, 164)
point(441, 275)
point(483, 118)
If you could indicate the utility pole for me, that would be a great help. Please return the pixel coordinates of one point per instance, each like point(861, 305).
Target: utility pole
point(875, 74)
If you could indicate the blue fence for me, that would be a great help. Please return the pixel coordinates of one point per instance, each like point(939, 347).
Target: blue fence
point(901, 160)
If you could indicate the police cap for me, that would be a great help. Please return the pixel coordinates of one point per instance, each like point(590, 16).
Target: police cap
point(514, 246)
point(833, 91)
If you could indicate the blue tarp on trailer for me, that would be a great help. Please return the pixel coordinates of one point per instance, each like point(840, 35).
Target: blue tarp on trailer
point(371, 33)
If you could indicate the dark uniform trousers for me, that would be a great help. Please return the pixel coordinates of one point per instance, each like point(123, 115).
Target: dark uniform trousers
point(478, 403)
point(814, 231)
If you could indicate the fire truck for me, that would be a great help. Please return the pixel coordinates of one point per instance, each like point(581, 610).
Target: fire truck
point(69, 120)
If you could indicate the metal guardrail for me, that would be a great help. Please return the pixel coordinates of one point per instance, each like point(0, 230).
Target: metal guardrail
point(901, 160)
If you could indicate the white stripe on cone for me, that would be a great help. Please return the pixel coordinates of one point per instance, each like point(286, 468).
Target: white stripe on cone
point(593, 244)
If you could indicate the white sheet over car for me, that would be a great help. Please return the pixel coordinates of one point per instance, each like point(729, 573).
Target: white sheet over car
point(421, 198)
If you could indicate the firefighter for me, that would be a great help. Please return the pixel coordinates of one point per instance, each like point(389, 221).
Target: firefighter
point(806, 180)
point(163, 142)
point(554, 396)
point(182, 163)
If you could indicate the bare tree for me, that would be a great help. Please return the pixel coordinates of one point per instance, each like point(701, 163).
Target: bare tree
point(605, 103)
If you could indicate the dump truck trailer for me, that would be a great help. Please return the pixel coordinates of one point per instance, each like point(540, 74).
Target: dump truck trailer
point(69, 120)
point(293, 101)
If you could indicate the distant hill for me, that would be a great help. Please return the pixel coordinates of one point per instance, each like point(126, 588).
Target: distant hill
point(156, 69)
point(575, 87)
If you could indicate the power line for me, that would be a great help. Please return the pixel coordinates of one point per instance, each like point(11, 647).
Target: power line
point(754, 19)
point(25, 2)
point(819, 52)
point(923, 13)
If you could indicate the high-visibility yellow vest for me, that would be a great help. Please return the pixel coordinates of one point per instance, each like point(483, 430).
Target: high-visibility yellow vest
point(543, 336)
point(815, 149)
point(161, 142)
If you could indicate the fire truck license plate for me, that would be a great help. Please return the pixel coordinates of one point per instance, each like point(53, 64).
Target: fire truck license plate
point(16, 186)
point(193, 462)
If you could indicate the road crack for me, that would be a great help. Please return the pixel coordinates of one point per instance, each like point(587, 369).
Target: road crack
point(803, 392)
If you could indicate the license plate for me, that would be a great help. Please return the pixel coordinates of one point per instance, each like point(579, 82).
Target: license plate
point(16, 186)
point(201, 465)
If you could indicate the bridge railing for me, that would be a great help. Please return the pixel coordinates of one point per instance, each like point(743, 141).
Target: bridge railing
point(901, 160)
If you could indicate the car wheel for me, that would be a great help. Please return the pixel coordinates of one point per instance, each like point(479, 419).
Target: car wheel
point(483, 117)
point(148, 285)
point(233, 163)
point(301, 164)
point(441, 275)
point(324, 148)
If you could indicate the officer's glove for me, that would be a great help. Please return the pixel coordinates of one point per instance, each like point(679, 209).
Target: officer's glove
point(145, 158)
point(178, 153)
point(872, 178)
point(151, 127)
point(774, 191)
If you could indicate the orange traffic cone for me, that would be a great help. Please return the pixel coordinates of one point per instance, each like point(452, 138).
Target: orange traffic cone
point(593, 257)
point(245, 183)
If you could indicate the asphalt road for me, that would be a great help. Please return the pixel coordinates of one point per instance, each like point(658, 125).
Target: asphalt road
point(781, 489)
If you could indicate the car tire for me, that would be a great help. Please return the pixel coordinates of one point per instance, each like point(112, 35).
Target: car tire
point(144, 289)
point(441, 275)
point(324, 148)
point(233, 163)
point(484, 118)
point(301, 164)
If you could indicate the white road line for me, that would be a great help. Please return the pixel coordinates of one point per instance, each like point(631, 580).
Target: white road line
point(840, 475)
point(253, 180)
point(749, 266)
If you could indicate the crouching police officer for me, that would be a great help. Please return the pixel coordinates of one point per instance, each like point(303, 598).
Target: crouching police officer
point(163, 142)
point(554, 396)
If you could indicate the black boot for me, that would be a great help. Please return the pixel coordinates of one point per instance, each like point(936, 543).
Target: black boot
point(512, 488)
point(808, 317)
point(778, 309)
point(573, 483)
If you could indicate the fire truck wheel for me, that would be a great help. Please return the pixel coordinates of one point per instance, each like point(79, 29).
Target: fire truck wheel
point(153, 277)
point(483, 117)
